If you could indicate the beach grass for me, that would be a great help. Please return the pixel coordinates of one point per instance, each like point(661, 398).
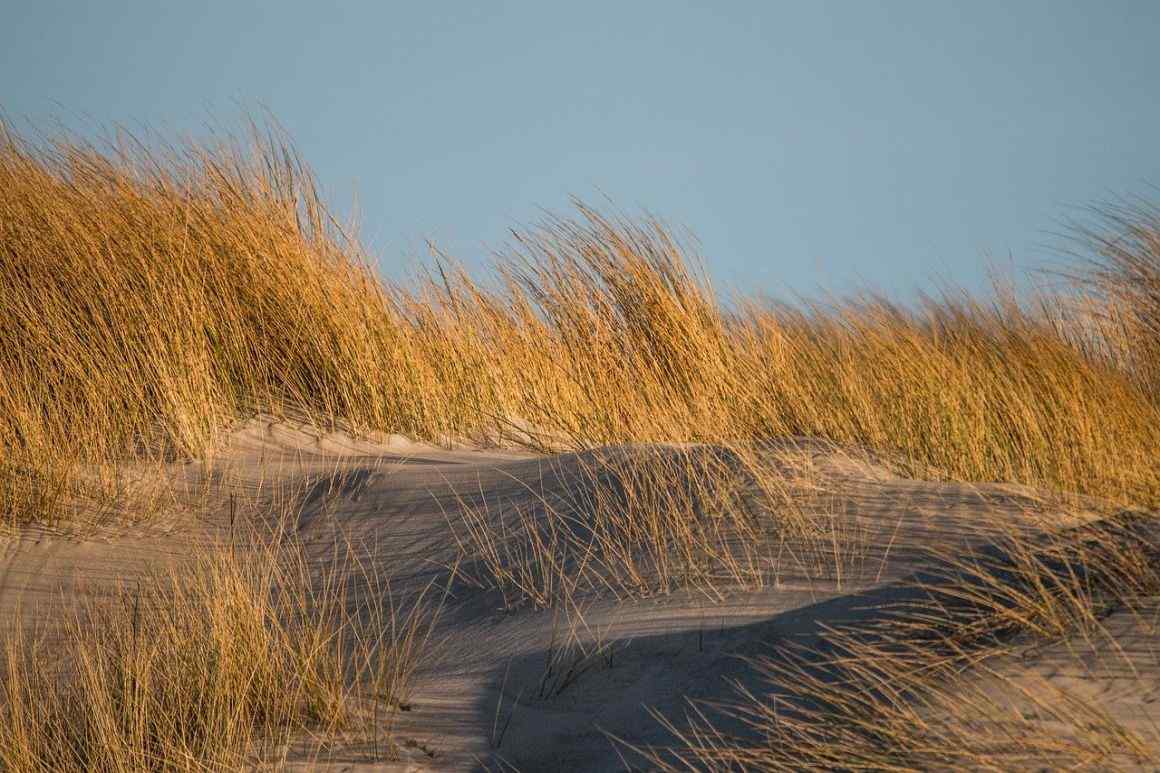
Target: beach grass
point(153, 294)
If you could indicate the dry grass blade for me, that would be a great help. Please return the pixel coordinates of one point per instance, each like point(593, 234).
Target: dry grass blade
point(917, 690)
point(152, 294)
point(208, 666)
point(631, 524)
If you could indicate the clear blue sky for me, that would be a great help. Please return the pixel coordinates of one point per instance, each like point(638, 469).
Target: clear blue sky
point(808, 144)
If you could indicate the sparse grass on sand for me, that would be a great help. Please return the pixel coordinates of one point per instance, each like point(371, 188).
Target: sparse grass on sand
point(212, 664)
point(630, 524)
point(923, 687)
point(152, 295)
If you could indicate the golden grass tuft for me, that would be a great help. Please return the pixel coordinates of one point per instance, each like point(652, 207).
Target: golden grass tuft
point(1123, 280)
point(216, 663)
point(152, 295)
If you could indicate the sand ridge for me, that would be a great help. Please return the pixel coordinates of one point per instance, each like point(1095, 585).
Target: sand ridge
point(486, 701)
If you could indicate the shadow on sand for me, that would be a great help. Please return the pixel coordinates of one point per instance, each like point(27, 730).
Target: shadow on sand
point(550, 710)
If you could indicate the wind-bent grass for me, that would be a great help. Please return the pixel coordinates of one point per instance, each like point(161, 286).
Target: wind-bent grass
point(1125, 282)
point(210, 665)
point(923, 687)
point(908, 710)
point(152, 296)
point(647, 521)
point(632, 524)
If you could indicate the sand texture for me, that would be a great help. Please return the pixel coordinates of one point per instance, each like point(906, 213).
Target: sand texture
point(486, 698)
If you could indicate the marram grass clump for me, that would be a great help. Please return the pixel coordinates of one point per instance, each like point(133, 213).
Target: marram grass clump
point(150, 297)
point(216, 663)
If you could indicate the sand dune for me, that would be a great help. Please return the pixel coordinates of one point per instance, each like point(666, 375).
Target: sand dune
point(507, 687)
point(744, 542)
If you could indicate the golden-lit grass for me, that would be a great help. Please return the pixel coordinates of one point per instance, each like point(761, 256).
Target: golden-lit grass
point(1125, 280)
point(213, 664)
point(153, 296)
point(150, 296)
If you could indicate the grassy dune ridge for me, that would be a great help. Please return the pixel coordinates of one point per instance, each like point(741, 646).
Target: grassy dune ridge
point(151, 296)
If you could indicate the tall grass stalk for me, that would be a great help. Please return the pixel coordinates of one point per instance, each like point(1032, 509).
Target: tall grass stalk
point(217, 663)
point(151, 294)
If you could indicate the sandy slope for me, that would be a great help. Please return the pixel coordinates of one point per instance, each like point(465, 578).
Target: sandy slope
point(393, 501)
